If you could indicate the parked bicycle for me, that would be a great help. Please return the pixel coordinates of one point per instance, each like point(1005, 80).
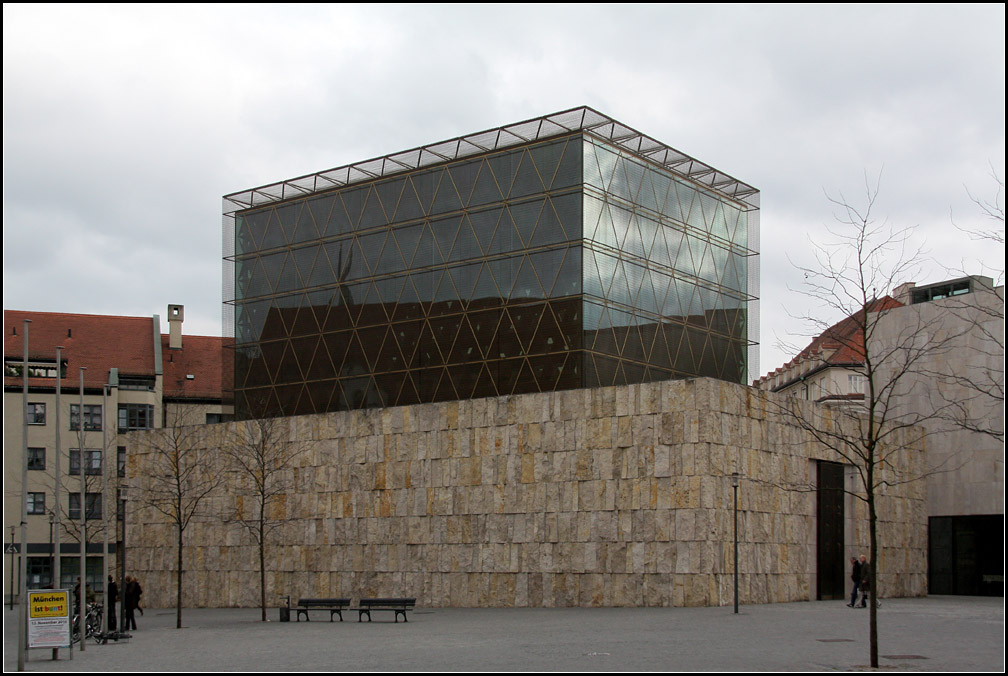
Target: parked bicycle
point(92, 623)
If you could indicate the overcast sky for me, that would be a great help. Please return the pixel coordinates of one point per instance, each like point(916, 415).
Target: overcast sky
point(125, 125)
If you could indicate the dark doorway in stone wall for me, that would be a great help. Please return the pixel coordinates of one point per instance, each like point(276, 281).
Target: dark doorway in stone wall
point(830, 563)
point(966, 555)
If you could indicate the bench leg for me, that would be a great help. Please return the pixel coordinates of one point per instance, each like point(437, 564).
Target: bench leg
point(361, 613)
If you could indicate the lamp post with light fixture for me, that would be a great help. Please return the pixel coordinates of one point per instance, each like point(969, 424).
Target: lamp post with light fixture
point(735, 485)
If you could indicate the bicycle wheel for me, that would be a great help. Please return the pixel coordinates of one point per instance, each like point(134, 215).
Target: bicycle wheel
point(94, 624)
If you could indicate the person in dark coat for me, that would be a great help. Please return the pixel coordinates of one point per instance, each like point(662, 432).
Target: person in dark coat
point(131, 598)
point(855, 577)
point(113, 597)
point(865, 581)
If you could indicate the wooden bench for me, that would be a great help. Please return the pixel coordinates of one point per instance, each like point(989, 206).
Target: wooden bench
point(397, 606)
point(334, 606)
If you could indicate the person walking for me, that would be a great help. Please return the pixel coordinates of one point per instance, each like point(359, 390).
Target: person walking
point(139, 593)
point(113, 597)
point(865, 581)
point(856, 578)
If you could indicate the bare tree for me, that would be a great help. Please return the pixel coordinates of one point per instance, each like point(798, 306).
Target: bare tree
point(181, 475)
point(262, 453)
point(981, 386)
point(993, 210)
point(861, 261)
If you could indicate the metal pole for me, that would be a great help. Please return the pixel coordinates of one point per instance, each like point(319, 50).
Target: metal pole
point(23, 568)
point(735, 483)
point(123, 496)
point(12, 550)
point(105, 575)
point(52, 567)
point(52, 564)
point(82, 599)
point(57, 483)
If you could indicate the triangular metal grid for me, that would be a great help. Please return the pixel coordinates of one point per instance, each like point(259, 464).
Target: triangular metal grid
point(456, 301)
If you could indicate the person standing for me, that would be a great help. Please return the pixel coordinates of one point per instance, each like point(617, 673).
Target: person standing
point(113, 597)
point(856, 579)
point(865, 581)
point(130, 600)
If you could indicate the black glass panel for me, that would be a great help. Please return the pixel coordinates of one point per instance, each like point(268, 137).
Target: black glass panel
point(549, 229)
point(486, 190)
point(525, 216)
point(527, 180)
point(547, 157)
point(373, 214)
point(463, 177)
point(388, 193)
point(353, 202)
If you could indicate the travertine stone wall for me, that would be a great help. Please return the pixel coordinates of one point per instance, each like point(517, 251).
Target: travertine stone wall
point(615, 496)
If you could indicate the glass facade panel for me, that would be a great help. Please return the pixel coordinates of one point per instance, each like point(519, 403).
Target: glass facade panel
point(659, 253)
point(564, 262)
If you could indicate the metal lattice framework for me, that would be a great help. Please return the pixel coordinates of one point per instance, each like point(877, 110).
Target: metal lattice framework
point(583, 119)
point(564, 251)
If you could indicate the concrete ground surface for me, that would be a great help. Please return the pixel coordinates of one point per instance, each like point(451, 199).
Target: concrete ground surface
point(940, 633)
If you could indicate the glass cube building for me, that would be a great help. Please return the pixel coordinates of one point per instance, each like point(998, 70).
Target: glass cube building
point(561, 252)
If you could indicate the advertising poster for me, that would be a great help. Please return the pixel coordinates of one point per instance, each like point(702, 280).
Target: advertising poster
point(49, 618)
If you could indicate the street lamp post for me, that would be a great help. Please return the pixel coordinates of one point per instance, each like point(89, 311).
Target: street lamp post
point(81, 437)
point(13, 548)
point(23, 568)
point(735, 484)
point(52, 557)
point(123, 499)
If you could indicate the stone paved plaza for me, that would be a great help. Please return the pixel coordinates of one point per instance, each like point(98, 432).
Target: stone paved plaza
point(942, 633)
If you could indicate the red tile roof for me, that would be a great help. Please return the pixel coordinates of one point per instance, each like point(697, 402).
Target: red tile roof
point(200, 357)
point(104, 342)
point(841, 344)
point(98, 342)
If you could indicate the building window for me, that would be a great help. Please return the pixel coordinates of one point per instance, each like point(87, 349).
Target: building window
point(856, 384)
point(214, 418)
point(39, 572)
point(94, 506)
point(92, 417)
point(92, 459)
point(135, 417)
point(121, 461)
point(35, 414)
point(14, 368)
point(36, 503)
point(70, 569)
point(136, 383)
point(36, 458)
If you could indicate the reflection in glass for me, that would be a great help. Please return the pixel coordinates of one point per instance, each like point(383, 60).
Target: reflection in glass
point(564, 263)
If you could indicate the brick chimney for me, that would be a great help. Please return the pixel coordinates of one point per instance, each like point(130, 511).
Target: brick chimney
point(176, 313)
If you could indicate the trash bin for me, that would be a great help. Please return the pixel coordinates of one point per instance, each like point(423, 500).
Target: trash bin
point(285, 610)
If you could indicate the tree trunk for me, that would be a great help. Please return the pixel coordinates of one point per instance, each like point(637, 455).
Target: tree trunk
point(178, 584)
point(262, 569)
point(872, 581)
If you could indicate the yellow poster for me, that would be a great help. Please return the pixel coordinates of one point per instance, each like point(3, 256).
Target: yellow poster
point(48, 604)
point(49, 618)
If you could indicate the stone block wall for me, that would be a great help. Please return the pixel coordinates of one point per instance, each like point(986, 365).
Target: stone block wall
point(615, 496)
